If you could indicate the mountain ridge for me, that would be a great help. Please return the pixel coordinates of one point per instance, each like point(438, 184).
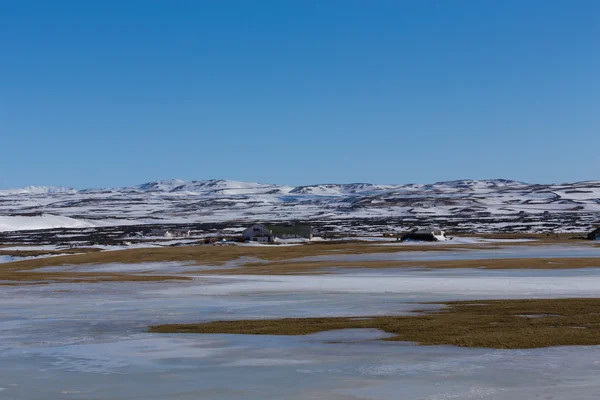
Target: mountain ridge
point(179, 185)
point(493, 205)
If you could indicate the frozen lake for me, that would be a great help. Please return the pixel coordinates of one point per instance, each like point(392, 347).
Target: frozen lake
point(88, 341)
point(540, 251)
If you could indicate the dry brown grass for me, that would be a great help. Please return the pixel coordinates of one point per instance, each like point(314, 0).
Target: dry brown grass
point(322, 267)
point(277, 259)
point(538, 237)
point(35, 253)
point(493, 324)
point(217, 255)
point(21, 278)
point(24, 272)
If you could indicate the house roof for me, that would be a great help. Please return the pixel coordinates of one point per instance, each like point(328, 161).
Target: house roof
point(426, 231)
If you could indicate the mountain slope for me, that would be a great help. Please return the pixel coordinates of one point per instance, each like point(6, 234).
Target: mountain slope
point(494, 204)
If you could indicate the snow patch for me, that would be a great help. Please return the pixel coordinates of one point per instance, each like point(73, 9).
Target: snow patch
point(46, 221)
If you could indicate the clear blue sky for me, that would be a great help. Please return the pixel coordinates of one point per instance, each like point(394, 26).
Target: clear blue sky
point(112, 93)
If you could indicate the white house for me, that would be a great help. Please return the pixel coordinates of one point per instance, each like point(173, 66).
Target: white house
point(181, 232)
point(169, 233)
point(160, 233)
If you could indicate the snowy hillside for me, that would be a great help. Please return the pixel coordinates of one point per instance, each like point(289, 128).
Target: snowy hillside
point(38, 190)
point(492, 205)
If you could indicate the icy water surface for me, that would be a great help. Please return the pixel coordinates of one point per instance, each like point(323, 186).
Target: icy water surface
point(551, 251)
point(88, 341)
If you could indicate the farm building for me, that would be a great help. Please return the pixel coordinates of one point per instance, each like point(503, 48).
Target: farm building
point(160, 233)
point(594, 235)
point(181, 232)
point(168, 233)
point(292, 230)
point(258, 233)
point(271, 233)
point(425, 235)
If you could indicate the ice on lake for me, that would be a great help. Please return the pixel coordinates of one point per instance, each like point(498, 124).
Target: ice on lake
point(88, 341)
point(541, 251)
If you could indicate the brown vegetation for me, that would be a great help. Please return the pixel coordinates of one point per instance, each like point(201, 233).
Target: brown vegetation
point(502, 324)
point(272, 259)
point(323, 267)
point(37, 253)
point(217, 255)
point(17, 278)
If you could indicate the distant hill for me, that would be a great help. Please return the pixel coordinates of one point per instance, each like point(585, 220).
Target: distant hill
point(489, 204)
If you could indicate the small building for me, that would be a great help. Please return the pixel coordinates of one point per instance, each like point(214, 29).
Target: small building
point(594, 235)
point(160, 233)
point(180, 232)
point(258, 233)
point(271, 233)
point(292, 230)
point(170, 233)
point(425, 235)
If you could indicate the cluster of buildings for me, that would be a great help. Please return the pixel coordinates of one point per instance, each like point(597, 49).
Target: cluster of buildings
point(296, 231)
point(260, 233)
point(171, 233)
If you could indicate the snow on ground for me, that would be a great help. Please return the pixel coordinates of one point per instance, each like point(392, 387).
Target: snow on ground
point(452, 240)
point(46, 221)
point(112, 247)
point(50, 221)
point(477, 202)
point(5, 259)
point(151, 267)
point(37, 190)
point(50, 247)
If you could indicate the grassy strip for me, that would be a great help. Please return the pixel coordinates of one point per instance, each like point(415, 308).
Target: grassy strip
point(217, 255)
point(321, 267)
point(20, 278)
point(497, 324)
point(35, 253)
point(278, 259)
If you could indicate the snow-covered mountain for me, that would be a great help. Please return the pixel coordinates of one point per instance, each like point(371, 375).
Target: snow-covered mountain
point(495, 203)
point(333, 189)
point(38, 190)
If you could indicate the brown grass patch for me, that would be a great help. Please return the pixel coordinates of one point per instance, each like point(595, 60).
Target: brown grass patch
point(217, 255)
point(542, 238)
point(23, 272)
point(21, 278)
point(278, 259)
point(321, 267)
point(35, 253)
point(493, 324)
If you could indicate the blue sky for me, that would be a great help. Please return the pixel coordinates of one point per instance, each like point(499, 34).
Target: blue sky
point(114, 93)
